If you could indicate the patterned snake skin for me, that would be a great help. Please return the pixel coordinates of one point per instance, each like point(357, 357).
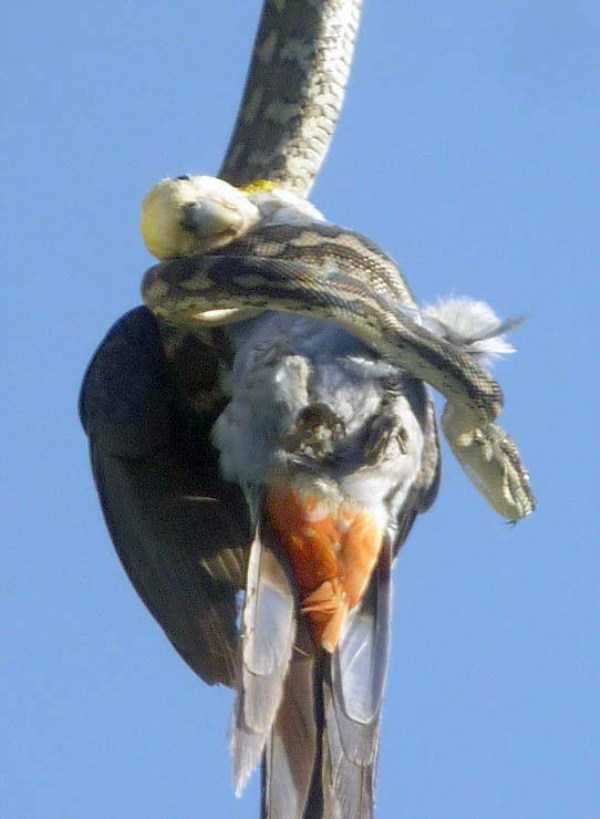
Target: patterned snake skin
point(294, 92)
point(336, 275)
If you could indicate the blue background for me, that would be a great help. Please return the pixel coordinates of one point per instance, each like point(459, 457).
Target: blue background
point(468, 149)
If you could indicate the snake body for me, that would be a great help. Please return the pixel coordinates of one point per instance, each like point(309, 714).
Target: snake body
point(338, 276)
point(294, 92)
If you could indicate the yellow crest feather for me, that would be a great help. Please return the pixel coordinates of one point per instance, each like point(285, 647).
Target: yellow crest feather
point(258, 186)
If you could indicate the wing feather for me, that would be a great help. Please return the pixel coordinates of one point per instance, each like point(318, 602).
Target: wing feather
point(360, 664)
point(291, 750)
point(352, 697)
point(181, 535)
point(269, 626)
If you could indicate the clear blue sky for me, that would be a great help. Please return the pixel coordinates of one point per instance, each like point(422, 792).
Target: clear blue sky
point(469, 150)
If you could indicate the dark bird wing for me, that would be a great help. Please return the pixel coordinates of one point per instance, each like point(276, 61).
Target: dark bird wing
point(181, 533)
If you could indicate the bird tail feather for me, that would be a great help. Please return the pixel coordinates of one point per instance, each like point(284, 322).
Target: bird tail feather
point(320, 758)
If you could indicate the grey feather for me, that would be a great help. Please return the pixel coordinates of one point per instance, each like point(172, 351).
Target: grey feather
point(291, 750)
point(359, 665)
point(269, 628)
point(353, 697)
point(347, 786)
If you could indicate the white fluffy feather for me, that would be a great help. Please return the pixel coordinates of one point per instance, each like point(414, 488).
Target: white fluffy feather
point(470, 325)
point(281, 207)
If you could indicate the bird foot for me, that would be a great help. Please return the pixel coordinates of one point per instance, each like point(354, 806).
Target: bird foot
point(387, 438)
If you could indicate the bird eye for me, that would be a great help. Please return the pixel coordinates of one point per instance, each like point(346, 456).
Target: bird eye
point(185, 177)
